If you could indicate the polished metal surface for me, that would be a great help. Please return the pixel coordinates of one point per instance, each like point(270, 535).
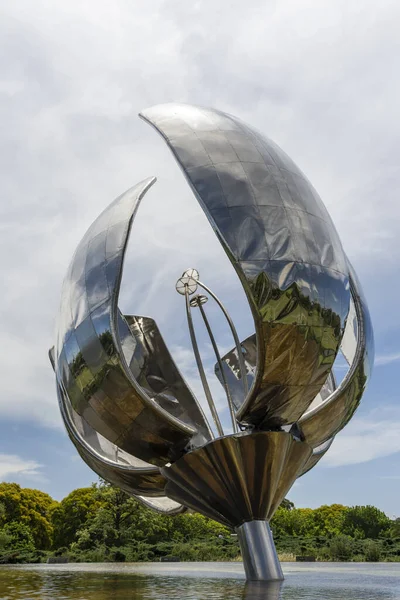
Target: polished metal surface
point(113, 464)
point(126, 406)
point(218, 357)
point(238, 478)
point(197, 302)
point(256, 541)
point(282, 243)
point(103, 363)
point(157, 373)
point(238, 346)
point(316, 456)
point(199, 363)
point(325, 420)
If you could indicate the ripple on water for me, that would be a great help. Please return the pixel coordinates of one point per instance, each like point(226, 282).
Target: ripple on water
point(198, 581)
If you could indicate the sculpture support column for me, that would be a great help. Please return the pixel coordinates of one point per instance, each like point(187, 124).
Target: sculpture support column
point(260, 559)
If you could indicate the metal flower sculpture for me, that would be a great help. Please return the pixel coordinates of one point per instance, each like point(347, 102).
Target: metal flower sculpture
point(126, 406)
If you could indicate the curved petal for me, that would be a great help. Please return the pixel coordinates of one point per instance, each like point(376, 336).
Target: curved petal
point(350, 336)
point(89, 358)
point(327, 419)
point(107, 460)
point(231, 368)
point(163, 505)
point(327, 389)
point(154, 369)
point(282, 243)
point(316, 456)
point(102, 456)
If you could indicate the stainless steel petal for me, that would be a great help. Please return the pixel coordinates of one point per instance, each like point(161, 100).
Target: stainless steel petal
point(93, 339)
point(283, 245)
point(113, 464)
point(162, 505)
point(350, 337)
point(327, 389)
point(325, 420)
point(156, 372)
point(316, 456)
point(232, 370)
point(130, 474)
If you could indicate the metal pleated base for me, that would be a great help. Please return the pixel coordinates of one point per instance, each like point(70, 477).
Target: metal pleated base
point(260, 559)
point(238, 478)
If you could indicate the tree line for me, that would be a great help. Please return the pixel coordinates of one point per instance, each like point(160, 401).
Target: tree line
point(102, 523)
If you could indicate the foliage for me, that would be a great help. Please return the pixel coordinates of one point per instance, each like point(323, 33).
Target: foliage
point(72, 514)
point(103, 523)
point(122, 521)
point(19, 537)
point(295, 522)
point(341, 548)
point(394, 530)
point(286, 503)
point(328, 520)
point(365, 522)
point(372, 551)
point(32, 508)
point(17, 543)
point(5, 540)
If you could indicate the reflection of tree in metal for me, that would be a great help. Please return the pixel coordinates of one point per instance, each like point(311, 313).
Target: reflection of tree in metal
point(125, 404)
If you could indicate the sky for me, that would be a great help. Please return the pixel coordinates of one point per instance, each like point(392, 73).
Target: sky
point(319, 77)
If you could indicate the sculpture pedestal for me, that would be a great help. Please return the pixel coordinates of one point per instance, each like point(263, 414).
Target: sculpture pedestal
point(260, 559)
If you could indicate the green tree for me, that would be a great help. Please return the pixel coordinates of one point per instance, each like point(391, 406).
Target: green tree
point(30, 507)
point(296, 522)
point(341, 548)
point(287, 504)
point(72, 513)
point(20, 537)
point(365, 522)
point(394, 530)
point(117, 520)
point(5, 540)
point(192, 526)
point(3, 513)
point(122, 526)
point(328, 520)
point(372, 551)
point(104, 523)
point(126, 518)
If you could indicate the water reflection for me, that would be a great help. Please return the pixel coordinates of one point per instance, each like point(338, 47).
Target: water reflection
point(207, 581)
point(258, 590)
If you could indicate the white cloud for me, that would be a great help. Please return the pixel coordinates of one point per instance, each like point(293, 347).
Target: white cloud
point(316, 77)
point(386, 359)
point(10, 87)
point(366, 438)
point(11, 465)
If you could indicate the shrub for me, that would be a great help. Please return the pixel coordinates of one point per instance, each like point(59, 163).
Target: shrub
point(118, 556)
point(372, 551)
point(341, 548)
